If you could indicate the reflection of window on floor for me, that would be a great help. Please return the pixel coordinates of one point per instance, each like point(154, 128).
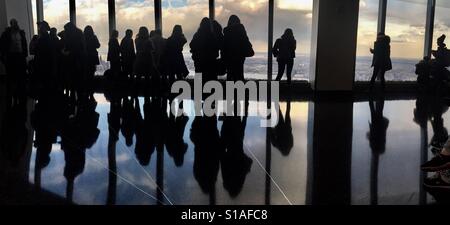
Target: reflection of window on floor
point(297, 15)
point(95, 13)
point(254, 15)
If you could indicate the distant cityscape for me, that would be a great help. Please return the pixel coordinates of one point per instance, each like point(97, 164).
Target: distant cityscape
point(256, 68)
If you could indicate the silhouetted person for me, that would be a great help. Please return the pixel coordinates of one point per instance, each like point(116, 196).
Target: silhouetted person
point(176, 66)
point(423, 71)
point(143, 65)
point(13, 53)
point(381, 59)
point(159, 47)
point(377, 139)
point(32, 46)
point(439, 72)
point(57, 55)
point(442, 54)
point(75, 55)
point(205, 47)
point(281, 135)
point(114, 54)
point(284, 51)
point(44, 58)
point(208, 150)
point(159, 79)
point(236, 48)
point(220, 67)
point(235, 163)
point(128, 54)
point(92, 44)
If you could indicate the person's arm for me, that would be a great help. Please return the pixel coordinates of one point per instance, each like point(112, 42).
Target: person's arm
point(97, 43)
point(24, 43)
point(276, 48)
point(184, 41)
point(121, 46)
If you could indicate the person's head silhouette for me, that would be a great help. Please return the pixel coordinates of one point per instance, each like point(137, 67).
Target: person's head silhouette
point(43, 27)
point(129, 33)
point(53, 32)
point(14, 24)
point(143, 33)
point(114, 34)
point(177, 30)
point(88, 31)
point(288, 33)
point(233, 20)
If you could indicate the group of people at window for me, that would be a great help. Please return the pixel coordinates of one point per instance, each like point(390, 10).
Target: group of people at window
point(432, 73)
point(68, 59)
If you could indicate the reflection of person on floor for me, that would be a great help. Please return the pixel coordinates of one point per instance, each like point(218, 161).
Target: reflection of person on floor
point(440, 141)
point(377, 138)
point(437, 122)
point(208, 148)
point(235, 163)
point(14, 131)
point(129, 119)
point(175, 145)
point(46, 120)
point(145, 145)
point(281, 135)
point(78, 134)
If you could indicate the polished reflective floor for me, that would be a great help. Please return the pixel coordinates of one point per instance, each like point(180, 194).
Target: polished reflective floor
point(131, 151)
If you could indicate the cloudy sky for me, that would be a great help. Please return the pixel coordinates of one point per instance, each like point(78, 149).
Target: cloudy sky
point(405, 22)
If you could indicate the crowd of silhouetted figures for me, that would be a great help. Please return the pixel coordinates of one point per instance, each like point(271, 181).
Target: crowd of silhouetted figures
point(67, 60)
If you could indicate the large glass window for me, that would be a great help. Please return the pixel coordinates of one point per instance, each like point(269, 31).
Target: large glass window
point(132, 14)
point(34, 14)
point(254, 16)
point(95, 13)
point(188, 14)
point(56, 13)
point(297, 15)
point(367, 33)
point(407, 37)
point(405, 24)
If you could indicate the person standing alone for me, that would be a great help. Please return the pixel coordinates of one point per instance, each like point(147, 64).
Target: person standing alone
point(284, 51)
